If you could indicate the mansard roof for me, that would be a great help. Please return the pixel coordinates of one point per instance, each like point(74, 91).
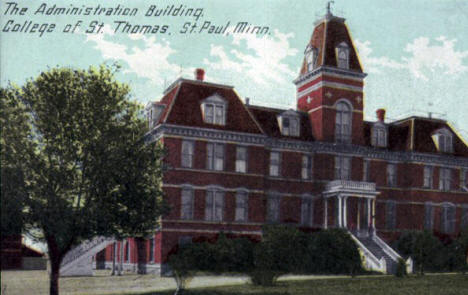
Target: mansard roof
point(183, 102)
point(328, 33)
point(415, 134)
point(268, 120)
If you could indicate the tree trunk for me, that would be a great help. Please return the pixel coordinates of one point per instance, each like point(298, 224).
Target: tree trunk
point(114, 255)
point(121, 258)
point(55, 257)
point(141, 249)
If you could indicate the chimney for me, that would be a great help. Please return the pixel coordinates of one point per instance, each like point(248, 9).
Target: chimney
point(200, 74)
point(381, 115)
point(247, 101)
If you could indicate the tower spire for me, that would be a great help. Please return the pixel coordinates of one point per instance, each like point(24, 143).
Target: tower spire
point(329, 3)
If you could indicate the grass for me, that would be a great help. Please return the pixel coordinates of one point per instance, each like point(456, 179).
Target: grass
point(36, 283)
point(426, 285)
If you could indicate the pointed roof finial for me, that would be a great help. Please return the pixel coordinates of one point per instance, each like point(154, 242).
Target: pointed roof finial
point(329, 3)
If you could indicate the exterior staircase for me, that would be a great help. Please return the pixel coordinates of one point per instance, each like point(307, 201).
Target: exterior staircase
point(79, 260)
point(378, 255)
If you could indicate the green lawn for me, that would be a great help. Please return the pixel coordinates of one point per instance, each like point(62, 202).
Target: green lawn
point(414, 285)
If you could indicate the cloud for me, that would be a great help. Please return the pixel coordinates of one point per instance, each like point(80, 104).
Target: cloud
point(260, 59)
point(148, 61)
point(424, 58)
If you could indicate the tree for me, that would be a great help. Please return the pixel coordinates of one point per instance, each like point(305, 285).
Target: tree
point(89, 171)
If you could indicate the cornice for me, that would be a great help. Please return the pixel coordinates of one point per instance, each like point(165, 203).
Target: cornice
point(304, 146)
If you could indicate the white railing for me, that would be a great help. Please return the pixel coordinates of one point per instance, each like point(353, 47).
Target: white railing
point(372, 262)
point(386, 248)
point(336, 185)
point(82, 249)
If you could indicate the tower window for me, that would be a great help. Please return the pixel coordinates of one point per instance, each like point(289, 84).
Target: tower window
point(342, 54)
point(310, 54)
point(343, 122)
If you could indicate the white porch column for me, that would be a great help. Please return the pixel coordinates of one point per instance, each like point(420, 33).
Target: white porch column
point(369, 213)
point(325, 219)
point(373, 214)
point(340, 211)
point(345, 212)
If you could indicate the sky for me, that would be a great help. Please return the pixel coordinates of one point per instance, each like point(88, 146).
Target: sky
point(414, 52)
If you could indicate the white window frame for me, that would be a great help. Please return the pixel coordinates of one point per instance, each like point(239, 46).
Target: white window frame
point(445, 179)
point(275, 163)
point(241, 159)
point(428, 216)
point(289, 123)
point(343, 121)
point(307, 210)
point(428, 177)
point(342, 168)
point(214, 204)
point(214, 110)
point(448, 218)
point(242, 206)
point(186, 203)
point(187, 152)
point(392, 175)
point(444, 140)
point(342, 56)
point(215, 154)
point(307, 169)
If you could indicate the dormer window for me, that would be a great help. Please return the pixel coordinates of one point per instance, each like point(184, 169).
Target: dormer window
point(289, 123)
point(379, 135)
point(443, 140)
point(153, 113)
point(214, 110)
point(310, 56)
point(342, 56)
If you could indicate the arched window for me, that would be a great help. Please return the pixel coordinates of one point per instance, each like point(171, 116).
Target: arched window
point(310, 56)
point(342, 54)
point(343, 122)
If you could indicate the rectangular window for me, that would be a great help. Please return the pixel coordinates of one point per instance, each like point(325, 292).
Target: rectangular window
point(241, 159)
point(447, 219)
point(463, 180)
point(391, 175)
point(187, 154)
point(215, 156)
point(209, 113)
point(342, 168)
point(428, 176)
point(186, 211)
point(428, 216)
point(214, 205)
point(307, 211)
point(273, 209)
point(307, 167)
point(464, 218)
point(390, 215)
point(219, 115)
point(274, 163)
point(445, 179)
point(242, 210)
point(365, 170)
point(127, 251)
point(151, 250)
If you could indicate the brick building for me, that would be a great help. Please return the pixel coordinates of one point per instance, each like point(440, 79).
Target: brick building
point(236, 166)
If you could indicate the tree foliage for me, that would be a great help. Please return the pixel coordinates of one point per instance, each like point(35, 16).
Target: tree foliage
point(86, 169)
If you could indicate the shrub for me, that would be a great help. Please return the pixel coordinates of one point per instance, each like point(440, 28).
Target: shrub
point(401, 269)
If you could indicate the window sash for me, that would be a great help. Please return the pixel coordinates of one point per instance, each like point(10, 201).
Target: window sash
point(273, 207)
point(342, 168)
point(391, 175)
point(214, 205)
point(307, 211)
point(241, 159)
point(241, 206)
point(428, 216)
point(186, 204)
point(215, 156)
point(209, 113)
point(274, 163)
point(428, 177)
point(307, 164)
point(343, 123)
point(447, 219)
point(187, 154)
point(445, 179)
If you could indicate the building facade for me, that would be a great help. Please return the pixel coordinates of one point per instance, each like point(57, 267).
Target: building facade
point(233, 167)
